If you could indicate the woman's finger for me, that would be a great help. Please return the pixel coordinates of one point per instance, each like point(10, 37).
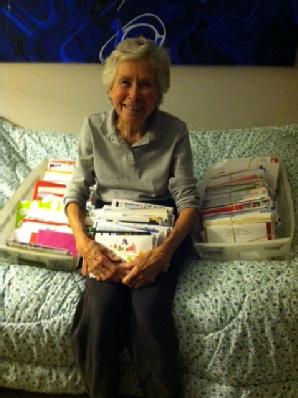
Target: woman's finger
point(113, 256)
point(131, 276)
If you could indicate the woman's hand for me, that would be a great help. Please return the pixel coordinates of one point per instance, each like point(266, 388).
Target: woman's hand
point(99, 261)
point(146, 267)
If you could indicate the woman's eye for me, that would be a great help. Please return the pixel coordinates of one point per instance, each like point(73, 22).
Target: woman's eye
point(124, 83)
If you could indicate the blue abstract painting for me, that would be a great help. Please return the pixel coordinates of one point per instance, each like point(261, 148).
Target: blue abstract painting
point(196, 32)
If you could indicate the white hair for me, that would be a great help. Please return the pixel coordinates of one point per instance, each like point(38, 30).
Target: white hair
point(138, 48)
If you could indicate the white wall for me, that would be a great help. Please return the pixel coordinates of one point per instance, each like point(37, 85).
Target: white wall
point(56, 97)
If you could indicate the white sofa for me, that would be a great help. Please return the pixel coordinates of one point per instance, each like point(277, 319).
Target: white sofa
point(236, 320)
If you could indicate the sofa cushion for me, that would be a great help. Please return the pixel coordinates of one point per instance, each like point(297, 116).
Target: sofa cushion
point(23, 149)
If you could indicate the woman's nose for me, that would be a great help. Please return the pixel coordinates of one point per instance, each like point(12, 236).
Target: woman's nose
point(134, 91)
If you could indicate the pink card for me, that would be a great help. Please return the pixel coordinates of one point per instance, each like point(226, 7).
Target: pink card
point(56, 240)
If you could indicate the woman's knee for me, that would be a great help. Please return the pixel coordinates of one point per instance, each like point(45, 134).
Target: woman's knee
point(152, 310)
point(103, 304)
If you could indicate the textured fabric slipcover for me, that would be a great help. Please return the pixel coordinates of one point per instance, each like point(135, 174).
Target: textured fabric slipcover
point(237, 320)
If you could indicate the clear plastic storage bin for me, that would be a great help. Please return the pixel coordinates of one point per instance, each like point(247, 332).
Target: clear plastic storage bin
point(277, 249)
point(24, 255)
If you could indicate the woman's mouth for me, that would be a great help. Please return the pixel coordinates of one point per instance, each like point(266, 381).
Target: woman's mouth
point(132, 108)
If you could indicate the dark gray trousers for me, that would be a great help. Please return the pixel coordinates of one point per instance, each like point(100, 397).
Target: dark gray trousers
point(110, 316)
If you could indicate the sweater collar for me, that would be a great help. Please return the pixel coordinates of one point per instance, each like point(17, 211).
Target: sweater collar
point(151, 135)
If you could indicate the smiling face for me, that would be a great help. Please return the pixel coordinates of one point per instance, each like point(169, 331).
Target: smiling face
point(134, 93)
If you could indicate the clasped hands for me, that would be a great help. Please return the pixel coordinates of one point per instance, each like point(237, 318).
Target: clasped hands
point(105, 265)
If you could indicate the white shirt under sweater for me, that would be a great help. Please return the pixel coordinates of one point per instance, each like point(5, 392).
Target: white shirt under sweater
point(156, 168)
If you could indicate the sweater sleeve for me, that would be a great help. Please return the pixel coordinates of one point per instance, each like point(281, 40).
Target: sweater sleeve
point(83, 177)
point(182, 184)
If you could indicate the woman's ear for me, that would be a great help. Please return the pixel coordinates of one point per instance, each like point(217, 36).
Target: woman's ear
point(109, 94)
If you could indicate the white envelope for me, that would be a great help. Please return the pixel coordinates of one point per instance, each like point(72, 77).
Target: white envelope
point(126, 246)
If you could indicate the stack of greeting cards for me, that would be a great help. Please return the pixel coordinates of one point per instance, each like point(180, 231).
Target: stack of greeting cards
point(129, 228)
point(41, 223)
point(239, 201)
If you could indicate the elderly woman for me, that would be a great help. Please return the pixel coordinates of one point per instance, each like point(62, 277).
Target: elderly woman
point(137, 152)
